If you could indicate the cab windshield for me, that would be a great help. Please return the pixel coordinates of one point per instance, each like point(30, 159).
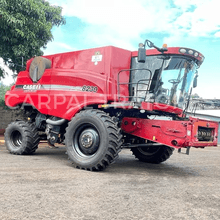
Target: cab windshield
point(168, 79)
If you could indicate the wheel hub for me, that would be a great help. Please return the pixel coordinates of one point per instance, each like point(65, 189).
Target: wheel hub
point(88, 141)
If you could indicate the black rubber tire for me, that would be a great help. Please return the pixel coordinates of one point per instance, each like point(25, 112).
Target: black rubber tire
point(153, 154)
point(21, 138)
point(106, 147)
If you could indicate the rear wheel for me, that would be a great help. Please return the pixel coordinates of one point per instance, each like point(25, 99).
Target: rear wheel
point(21, 138)
point(93, 140)
point(153, 154)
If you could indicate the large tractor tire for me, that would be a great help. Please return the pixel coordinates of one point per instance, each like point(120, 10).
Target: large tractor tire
point(153, 154)
point(21, 138)
point(93, 140)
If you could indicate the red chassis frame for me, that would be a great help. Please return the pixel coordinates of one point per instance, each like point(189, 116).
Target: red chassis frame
point(176, 134)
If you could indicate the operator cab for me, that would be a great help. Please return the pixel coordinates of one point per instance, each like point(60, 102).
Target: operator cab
point(164, 78)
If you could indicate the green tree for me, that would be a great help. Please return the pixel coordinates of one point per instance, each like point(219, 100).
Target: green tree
point(25, 28)
point(3, 90)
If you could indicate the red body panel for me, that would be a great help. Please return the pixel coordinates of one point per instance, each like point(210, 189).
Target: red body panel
point(61, 93)
point(161, 107)
point(90, 77)
point(175, 134)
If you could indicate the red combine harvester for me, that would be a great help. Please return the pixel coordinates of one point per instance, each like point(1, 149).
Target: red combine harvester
point(100, 100)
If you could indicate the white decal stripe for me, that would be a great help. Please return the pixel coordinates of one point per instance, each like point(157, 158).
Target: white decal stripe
point(49, 87)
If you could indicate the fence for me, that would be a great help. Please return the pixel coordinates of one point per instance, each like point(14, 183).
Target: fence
point(7, 116)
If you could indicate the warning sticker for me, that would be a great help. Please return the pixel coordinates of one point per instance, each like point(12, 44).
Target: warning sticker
point(96, 58)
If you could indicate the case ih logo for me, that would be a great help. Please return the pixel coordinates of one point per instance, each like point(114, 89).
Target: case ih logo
point(31, 87)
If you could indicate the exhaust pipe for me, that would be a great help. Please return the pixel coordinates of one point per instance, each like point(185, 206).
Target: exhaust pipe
point(58, 122)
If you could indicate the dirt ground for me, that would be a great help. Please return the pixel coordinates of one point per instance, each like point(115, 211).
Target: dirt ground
point(46, 186)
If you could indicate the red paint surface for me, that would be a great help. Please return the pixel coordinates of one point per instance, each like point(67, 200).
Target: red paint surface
point(171, 51)
point(76, 69)
point(167, 132)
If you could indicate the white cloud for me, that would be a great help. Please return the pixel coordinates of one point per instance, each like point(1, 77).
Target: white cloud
point(57, 47)
point(187, 4)
point(217, 34)
point(211, 92)
point(198, 22)
point(120, 22)
point(8, 80)
point(204, 21)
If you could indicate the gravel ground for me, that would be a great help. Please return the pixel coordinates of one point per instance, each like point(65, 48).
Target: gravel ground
point(46, 186)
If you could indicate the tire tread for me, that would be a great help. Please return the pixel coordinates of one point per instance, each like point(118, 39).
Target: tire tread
point(162, 155)
point(115, 139)
point(31, 136)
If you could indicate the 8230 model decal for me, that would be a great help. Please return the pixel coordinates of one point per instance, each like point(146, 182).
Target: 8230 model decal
point(89, 88)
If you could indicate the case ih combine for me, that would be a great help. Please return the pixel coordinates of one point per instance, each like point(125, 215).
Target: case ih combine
point(100, 100)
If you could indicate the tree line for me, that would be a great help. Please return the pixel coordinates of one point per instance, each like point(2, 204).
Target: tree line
point(25, 30)
point(3, 90)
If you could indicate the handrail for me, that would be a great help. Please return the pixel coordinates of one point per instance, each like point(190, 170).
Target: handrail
point(138, 83)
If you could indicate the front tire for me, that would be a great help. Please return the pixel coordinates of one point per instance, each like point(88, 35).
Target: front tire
point(21, 138)
point(153, 154)
point(93, 140)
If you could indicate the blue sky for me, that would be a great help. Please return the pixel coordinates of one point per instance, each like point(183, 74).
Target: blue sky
point(125, 23)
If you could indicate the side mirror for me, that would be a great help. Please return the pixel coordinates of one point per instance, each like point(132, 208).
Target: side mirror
point(195, 81)
point(141, 55)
